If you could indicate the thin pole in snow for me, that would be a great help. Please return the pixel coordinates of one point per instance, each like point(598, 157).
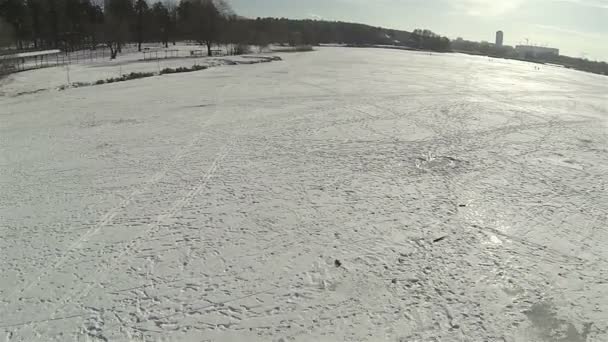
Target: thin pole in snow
point(67, 69)
point(67, 72)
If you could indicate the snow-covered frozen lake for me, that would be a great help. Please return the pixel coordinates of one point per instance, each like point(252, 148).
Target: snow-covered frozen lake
point(337, 195)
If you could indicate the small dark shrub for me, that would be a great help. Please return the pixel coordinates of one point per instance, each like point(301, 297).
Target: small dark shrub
point(126, 77)
point(298, 48)
point(182, 69)
point(136, 75)
point(239, 49)
point(167, 71)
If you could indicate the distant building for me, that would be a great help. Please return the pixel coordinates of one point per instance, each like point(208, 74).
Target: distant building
point(527, 51)
point(499, 38)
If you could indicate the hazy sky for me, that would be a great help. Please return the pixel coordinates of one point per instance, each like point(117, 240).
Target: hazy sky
point(577, 27)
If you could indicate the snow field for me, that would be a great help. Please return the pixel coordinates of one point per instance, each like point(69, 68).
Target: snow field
point(341, 194)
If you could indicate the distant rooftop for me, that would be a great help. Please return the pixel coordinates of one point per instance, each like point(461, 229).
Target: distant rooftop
point(30, 54)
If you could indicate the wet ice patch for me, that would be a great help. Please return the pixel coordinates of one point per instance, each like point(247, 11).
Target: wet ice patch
point(320, 277)
point(548, 327)
point(433, 163)
point(495, 240)
point(568, 163)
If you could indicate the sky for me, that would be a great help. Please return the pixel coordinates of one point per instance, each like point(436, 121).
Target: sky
point(579, 28)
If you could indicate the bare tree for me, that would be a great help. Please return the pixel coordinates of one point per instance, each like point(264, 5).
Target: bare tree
point(224, 8)
point(116, 26)
point(35, 12)
point(200, 20)
point(94, 24)
point(211, 24)
point(161, 23)
point(173, 19)
point(141, 10)
point(15, 14)
point(6, 33)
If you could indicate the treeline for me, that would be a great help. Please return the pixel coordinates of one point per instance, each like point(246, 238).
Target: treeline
point(314, 32)
point(309, 32)
point(85, 24)
point(483, 48)
point(429, 40)
point(51, 23)
point(80, 24)
point(579, 64)
point(6, 33)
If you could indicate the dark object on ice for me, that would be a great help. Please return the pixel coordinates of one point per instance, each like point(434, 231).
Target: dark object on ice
point(462, 205)
point(394, 281)
point(338, 263)
point(440, 239)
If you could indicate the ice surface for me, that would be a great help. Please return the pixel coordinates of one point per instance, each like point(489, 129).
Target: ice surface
point(342, 194)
